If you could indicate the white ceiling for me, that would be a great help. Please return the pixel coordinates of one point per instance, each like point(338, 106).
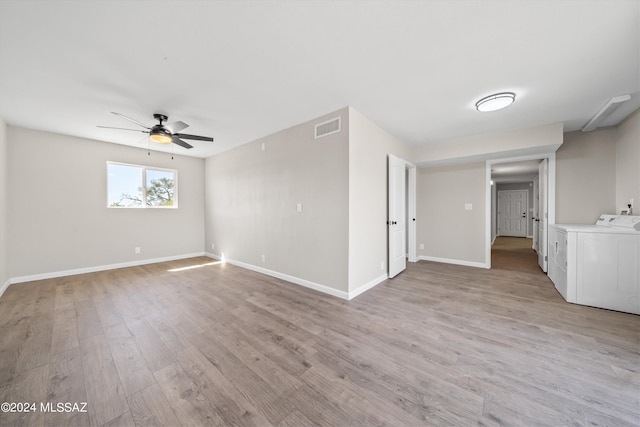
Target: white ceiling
point(240, 70)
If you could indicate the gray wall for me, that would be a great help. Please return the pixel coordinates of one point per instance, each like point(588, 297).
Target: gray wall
point(586, 176)
point(494, 212)
point(251, 198)
point(628, 163)
point(57, 206)
point(521, 186)
point(369, 146)
point(4, 164)
point(447, 230)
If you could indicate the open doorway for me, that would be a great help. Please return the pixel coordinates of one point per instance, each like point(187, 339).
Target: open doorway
point(520, 206)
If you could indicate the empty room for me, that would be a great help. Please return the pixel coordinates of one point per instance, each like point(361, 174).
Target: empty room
point(332, 213)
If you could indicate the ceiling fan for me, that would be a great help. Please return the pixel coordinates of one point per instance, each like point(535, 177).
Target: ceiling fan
point(163, 133)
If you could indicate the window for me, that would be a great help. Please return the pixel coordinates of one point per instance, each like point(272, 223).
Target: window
point(133, 186)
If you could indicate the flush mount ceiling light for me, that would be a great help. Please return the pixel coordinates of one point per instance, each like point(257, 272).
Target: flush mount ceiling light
point(496, 101)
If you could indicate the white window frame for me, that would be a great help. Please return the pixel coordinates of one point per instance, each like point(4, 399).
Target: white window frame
point(144, 186)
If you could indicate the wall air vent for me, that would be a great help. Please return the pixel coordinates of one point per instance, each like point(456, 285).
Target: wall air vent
point(327, 128)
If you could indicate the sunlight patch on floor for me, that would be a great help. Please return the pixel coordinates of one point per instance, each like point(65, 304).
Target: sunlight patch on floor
point(191, 267)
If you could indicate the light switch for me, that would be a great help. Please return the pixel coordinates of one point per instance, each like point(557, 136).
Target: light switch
point(468, 206)
point(299, 207)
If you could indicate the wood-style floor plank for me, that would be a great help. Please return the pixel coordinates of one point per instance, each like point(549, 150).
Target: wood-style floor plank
point(105, 397)
point(164, 344)
point(87, 319)
point(149, 407)
point(27, 387)
point(155, 353)
point(232, 404)
point(36, 347)
point(65, 330)
point(132, 368)
point(66, 385)
point(187, 401)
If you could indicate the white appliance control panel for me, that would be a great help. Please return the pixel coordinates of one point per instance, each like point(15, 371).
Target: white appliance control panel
point(627, 221)
point(605, 220)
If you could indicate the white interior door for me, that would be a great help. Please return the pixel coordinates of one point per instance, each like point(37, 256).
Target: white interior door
point(397, 215)
point(411, 214)
point(536, 198)
point(543, 213)
point(512, 213)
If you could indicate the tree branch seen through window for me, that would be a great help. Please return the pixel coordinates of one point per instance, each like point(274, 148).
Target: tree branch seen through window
point(125, 189)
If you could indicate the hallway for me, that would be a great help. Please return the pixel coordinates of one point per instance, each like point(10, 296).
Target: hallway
point(515, 254)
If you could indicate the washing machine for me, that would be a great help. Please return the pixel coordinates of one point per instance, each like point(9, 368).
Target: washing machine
point(597, 265)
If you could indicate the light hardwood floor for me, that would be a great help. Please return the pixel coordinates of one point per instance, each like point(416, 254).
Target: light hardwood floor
point(437, 345)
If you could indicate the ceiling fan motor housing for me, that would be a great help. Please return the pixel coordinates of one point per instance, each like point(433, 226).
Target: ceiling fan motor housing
point(160, 117)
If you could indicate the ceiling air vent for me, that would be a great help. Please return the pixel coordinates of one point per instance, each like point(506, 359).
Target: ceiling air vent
point(327, 128)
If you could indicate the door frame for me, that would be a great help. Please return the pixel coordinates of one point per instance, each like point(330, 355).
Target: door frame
point(412, 255)
point(410, 212)
point(534, 227)
point(551, 194)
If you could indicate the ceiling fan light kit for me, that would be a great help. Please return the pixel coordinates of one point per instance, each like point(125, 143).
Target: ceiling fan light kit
point(494, 102)
point(160, 136)
point(164, 133)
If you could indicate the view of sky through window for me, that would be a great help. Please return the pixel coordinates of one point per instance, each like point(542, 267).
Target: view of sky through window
point(126, 188)
point(124, 180)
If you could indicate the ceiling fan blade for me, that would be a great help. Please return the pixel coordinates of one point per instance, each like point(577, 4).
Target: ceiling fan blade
point(111, 127)
point(196, 137)
point(131, 120)
point(180, 142)
point(176, 126)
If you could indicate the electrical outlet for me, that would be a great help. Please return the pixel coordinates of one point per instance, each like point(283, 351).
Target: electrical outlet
point(213, 246)
point(264, 258)
point(381, 265)
point(299, 207)
point(421, 245)
point(137, 249)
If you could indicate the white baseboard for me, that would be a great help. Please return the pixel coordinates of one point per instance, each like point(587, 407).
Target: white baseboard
point(5, 286)
point(42, 276)
point(454, 261)
point(298, 281)
point(367, 286)
point(288, 278)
